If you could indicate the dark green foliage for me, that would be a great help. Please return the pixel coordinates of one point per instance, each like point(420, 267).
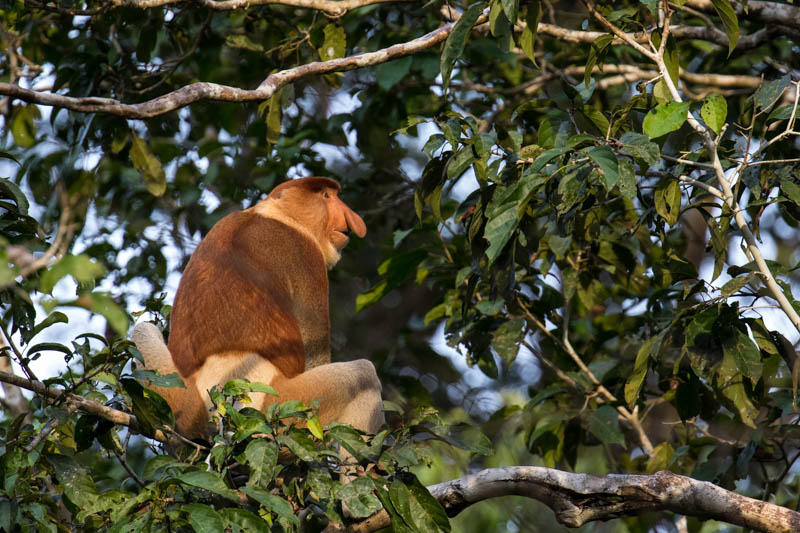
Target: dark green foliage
point(521, 202)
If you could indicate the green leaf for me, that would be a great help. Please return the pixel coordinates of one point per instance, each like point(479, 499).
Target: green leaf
point(635, 380)
point(729, 21)
point(416, 506)
point(745, 353)
point(454, 46)
point(510, 8)
point(148, 166)
point(733, 285)
point(315, 427)
point(607, 161)
point(155, 379)
point(148, 407)
point(729, 381)
point(81, 267)
point(528, 37)
point(359, 498)
point(74, 480)
point(597, 52)
point(504, 210)
point(791, 190)
point(641, 147)
point(604, 424)
point(23, 127)
point(465, 436)
point(668, 201)
point(457, 164)
point(714, 112)
point(772, 91)
point(627, 179)
point(348, 438)
point(395, 270)
point(262, 457)
point(156, 465)
point(660, 458)
point(246, 521)
point(273, 119)
point(210, 481)
point(299, 444)
point(391, 72)
point(272, 503)
point(506, 339)
point(243, 42)
point(203, 518)
point(9, 189)
point(665, 118)
point(335, 43)
point(103, 304)
point(55, 317)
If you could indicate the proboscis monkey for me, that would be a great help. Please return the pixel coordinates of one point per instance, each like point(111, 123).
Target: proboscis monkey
point(253, 303)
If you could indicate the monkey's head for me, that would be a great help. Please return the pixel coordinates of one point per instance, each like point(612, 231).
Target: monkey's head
point(313, 205)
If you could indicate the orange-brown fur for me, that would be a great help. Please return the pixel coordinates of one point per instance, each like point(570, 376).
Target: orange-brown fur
point(253, 303)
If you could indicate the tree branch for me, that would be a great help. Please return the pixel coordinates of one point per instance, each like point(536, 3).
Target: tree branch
point(578, 499)
point(198, 91)
point(767, 12)
point(74, 401)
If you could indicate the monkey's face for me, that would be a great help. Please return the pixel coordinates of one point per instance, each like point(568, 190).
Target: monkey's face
point(341, 220)
point(313, 206)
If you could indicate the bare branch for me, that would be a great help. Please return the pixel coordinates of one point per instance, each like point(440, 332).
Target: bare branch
point(198, 91)
point(578, 499)
point(77, 402)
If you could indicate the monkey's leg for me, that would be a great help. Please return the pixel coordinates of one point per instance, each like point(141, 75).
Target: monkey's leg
point(349, 393)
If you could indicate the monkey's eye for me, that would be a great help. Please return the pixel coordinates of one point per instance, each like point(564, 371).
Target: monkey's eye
point(326, 194)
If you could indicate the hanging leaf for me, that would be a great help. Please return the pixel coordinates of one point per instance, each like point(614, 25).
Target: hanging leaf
point(335, 43)
point(665, 118)
point(729, 21)
point(714, 112)
point(528, 38)
point(457, 39)
point(148, 166)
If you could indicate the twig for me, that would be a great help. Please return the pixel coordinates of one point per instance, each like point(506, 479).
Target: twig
point(631, 418)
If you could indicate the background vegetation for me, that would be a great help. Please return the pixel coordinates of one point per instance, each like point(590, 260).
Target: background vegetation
point(582, 240)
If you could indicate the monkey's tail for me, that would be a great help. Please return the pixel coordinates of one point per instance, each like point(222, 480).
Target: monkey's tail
point(150, 341)
point(191, 415)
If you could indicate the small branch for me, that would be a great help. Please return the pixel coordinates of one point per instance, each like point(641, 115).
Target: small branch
point(631, 418)
point(14, 401)
point(74, 401)
point(578, 499)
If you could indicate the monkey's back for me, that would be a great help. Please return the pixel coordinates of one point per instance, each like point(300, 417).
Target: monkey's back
point(247, 277)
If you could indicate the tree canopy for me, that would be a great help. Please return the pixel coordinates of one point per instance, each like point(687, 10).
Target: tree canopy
point(581, 258)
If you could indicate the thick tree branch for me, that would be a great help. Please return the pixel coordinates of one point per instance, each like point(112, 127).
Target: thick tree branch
point(578, 499)
point(196, 92)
